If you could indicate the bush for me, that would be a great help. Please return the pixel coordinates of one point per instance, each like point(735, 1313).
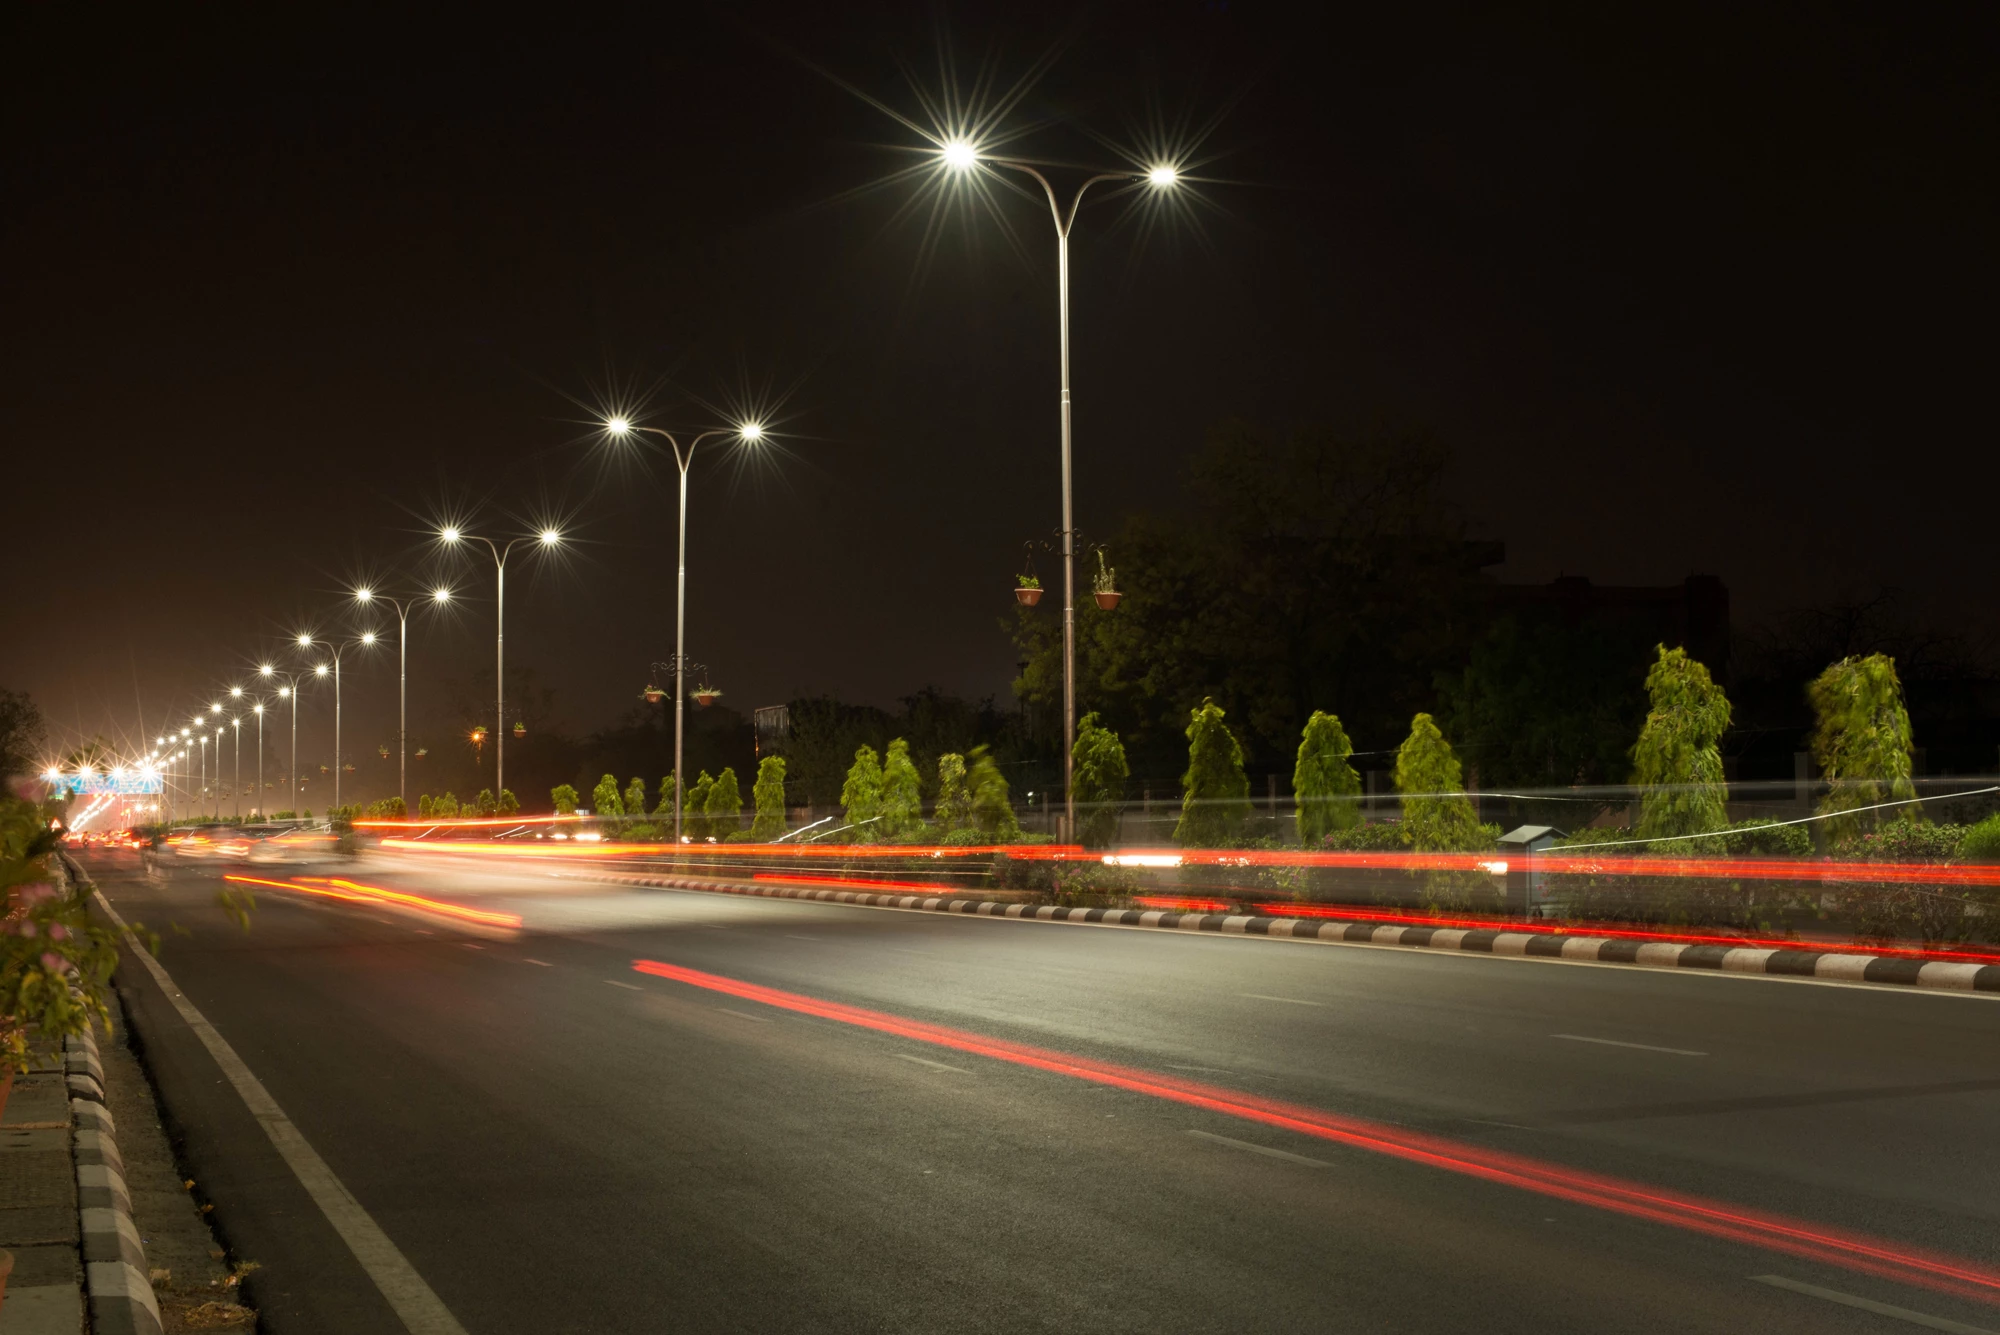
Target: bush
point(992, 812)
point(564, 798)
point(1437, 815)
point(1374, 837)
point(1760, 837)
point(1215, 793)
point(643, 830)
point(902, 794)
point(954, 804)
point(604, 798)
point(861, 795)
point(1677, 759)
point(1905, 841)
point(1099, 782)
point(769, 795)
point(1982, 841)
point(724, 807)
point(1323, 782)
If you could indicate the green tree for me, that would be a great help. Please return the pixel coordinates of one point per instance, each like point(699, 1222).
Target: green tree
point(954, 803)
point(1437, 815)
point(1861, 740)
point(22, 732)
point(604, 799)
point(508, 805)
point(635, 797)
point(1215, 792)
point(424, 806)
point(1678, 758)
point(724, 807)
point(902, 793)
point(769, 795)
point(486, 804)
point(666, 806)
point(446, 806)
point(992, 812)
point(564, 798)
point(694, 815)
point(1098, 782)
point(861, 796)
point(1324, 784)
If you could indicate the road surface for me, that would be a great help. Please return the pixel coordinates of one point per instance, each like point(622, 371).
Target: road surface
point(557, 1141)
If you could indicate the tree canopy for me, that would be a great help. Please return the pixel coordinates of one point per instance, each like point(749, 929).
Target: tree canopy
point(1678, 758)
point(1323, 782)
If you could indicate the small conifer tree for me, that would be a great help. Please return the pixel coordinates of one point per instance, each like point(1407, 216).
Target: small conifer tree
point(1862, 742)
point(424, 806)
point(992, 812)
point(563, 797)
point(1098, 781)
point(604, 799)
point(861, 795)
point(508, 804)
point(487, 805)
point(1437, 815)
point(1215, 792)
point(902, 794)
point(635, 797)
point(954, 803)
point(1323, 783)
point(769, 795)
point(1678, 759)
point(666, 806)
point(694, 812)
point(724, 807)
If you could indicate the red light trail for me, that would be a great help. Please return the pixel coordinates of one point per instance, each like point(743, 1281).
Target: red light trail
point(1812, 1242)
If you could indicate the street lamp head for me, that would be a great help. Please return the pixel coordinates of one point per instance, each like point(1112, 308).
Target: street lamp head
point(236, 691)
point(363, 595)
point(752, 432)
point(619, 426)
point(550, 537)
point(449, 533)
point(368, 637)
point(320, 671)
point(256, 709)
point(1163, 176)
point(959, 155)
point(284, 692)
point(266, 670)
point(441, 596)
point(305, 641)
point(215, 708)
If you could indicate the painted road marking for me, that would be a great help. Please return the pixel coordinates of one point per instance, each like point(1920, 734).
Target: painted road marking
point(1642, 1047)
point(421, 1310)
point(544, 963)
point(935, 1066)
point(794, 936)
point(1870, 1305)
point(1264, 1150)
point(743, 1015)
point(627, 986)
point(1289, 1001)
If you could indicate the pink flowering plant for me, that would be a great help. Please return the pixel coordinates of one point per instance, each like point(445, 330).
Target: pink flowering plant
point(55, 963)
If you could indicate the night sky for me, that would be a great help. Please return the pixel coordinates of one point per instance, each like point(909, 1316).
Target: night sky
point(1688, 292)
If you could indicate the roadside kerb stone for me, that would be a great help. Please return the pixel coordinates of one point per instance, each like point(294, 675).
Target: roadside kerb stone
point(1777, 961)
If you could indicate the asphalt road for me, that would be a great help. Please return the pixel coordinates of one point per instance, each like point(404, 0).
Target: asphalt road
point(558, 1142)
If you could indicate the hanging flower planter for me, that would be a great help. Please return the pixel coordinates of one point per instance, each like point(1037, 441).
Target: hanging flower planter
point(1104, 584)
point(520, 730)
point(704, 696)
point(1028, 590)
point(423, 751)
point(382, 751)
point(652, 695)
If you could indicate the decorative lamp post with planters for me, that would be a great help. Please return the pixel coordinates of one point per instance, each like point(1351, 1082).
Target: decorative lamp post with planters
point(746, 433)
point(961, 156)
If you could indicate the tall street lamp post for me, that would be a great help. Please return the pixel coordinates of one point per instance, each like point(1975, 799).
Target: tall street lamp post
point(288, 691)
point(439, 596)
point(366, 640)
point(960, 156)
point(749, 433)
point(548, 538)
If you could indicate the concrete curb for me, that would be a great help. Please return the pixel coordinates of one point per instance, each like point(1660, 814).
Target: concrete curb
point(1787, 962)
point(116, 1277)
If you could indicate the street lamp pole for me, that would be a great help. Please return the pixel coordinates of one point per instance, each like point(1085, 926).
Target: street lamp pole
point(548, 537)
point(366, 639)
point(961, 156)
point(439, 595)
point(236, 730)
point(750, 432)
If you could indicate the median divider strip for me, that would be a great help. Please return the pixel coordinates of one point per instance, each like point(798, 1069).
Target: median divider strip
point(1785, 962)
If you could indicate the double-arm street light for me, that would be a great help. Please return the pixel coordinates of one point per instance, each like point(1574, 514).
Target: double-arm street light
point(547, 538)
point(306, 642)
point(748, 433)
point(288, 691)
point(438, 596)
point(959, 155)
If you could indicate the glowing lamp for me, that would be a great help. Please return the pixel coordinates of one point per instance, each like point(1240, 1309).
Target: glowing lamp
point(368, 638)
point(363, 595)
point(1163, 176)
point(959, 155)
point(753, 432)
point(305, 641)
point(449, 534)
point(441, 596)
point(320, 671)
point(619, 426)
point(550, 537)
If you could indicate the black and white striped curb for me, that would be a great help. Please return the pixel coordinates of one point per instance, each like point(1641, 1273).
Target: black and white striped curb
point(116, 1279)
point(114, 1260)
point(1783, 961)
